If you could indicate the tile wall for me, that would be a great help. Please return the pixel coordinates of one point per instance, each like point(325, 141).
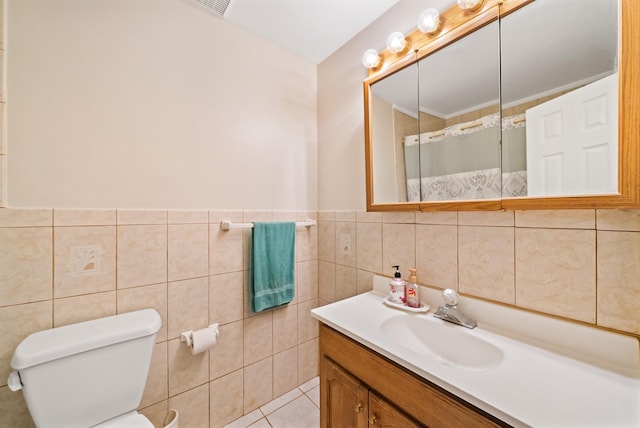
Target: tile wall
point(63, 266)
point(578, 264)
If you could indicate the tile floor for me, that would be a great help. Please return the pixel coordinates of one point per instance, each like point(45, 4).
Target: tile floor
point(299, 408)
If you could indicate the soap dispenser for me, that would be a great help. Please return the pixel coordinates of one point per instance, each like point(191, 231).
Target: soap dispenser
point(413, 290)
point(396, 287)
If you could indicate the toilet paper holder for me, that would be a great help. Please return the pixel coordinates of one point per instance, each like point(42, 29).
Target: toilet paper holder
point(187, 336)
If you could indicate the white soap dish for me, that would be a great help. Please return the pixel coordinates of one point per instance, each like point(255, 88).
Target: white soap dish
point(423, 306)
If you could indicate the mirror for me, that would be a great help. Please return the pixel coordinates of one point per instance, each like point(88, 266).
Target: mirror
point(560, 98)
point(551, 52)
point(460, 119)
point(394, 117)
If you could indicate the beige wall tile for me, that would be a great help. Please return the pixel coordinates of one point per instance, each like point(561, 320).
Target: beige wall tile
point(369, 246)
point(307, 325)
point(306, 243)
point(227, 355)
point(557, 219)
point(345, 240)
point(368, 217)
point(226, 297)
point(188, 307)
point(437, 217)
point(326, 281)
point(141, 255)
point(156, 388)
point(364, 281)
point(258, 384)
point(25, 265)
point(486, 218)
point(398, 248)
point(16, 323)
point(307, 280)
point(25, 217)
point(345, 216)
point(285, 328)
point(188, 251)
point(284, 216)
point(193, 407)
point(619, 219)
point(216, 216)
point(437, 255)
point(186, 370)
point(80, 217)
point(327, 240)
point(71, 310)
point(156, 413)
point(327, 216)
point(146, 297)
point(346, 282)
point(187, 216)
point(307, 360)
point(486, 262)
point(619, 280)
point(84, 260)
point(226, 396)
point(225, 250)
point(285, 374)
point(13, 410)
point(127, 216)
point(258, 337)
point(555, 271)
point(398, 217)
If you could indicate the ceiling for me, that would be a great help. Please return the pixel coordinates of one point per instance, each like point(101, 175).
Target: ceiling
point(312, 29)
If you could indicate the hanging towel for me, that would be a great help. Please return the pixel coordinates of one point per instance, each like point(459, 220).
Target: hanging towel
point(272, 265)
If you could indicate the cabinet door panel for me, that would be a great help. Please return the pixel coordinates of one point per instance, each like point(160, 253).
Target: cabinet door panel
point(383, 414)
point(345, 396)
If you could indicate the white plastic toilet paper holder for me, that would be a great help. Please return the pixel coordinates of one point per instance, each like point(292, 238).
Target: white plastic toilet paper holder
point(187, 336)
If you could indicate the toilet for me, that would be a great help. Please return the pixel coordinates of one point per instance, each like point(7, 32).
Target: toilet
point(90, 374)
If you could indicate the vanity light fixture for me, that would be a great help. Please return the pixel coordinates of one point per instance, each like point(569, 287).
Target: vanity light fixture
point(370, 58)
point(470, 5)
point(429, 21)
point(396, 43)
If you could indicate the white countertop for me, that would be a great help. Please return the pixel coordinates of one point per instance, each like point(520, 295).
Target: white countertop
point(531, 386)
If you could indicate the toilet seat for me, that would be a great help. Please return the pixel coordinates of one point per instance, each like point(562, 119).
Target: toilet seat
point(128, 420)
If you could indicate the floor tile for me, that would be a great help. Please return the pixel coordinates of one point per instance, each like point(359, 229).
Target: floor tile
point(299, 413)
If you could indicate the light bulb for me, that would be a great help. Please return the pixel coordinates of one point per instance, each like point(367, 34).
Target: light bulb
point(396, 42)
point(470, 5)
point(370, 58)
point(429, 21)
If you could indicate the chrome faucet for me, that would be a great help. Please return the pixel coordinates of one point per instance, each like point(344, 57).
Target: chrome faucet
point(450, 312)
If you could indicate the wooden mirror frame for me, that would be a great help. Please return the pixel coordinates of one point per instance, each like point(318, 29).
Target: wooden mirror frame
point(457, 23)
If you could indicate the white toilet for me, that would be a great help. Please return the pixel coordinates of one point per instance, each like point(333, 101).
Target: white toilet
point(90, 374)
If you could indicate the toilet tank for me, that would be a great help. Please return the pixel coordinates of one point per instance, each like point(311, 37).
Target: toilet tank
point(83, 374)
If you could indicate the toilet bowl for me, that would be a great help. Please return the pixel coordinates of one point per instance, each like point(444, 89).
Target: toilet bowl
point(89, 374)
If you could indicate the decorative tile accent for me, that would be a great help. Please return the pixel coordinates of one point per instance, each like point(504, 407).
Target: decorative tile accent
point(84, 260)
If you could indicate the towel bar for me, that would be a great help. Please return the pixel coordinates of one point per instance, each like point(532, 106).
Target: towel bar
point(226, 224)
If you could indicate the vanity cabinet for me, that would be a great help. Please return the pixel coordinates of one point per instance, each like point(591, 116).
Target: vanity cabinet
point(361, 388)
point(349, 403)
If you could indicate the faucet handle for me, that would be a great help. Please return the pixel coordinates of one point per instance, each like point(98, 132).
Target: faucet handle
point(450, 297)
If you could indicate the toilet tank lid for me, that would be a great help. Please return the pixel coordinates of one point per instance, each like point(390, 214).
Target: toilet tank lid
point(59, 342)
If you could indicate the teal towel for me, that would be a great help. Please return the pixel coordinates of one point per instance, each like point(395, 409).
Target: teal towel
point(272, 265)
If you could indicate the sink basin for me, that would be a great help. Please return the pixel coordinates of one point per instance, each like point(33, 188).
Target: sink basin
point(447, 343)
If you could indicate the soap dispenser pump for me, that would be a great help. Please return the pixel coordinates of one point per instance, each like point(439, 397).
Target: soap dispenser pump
point(397, 287)
point(413, 290)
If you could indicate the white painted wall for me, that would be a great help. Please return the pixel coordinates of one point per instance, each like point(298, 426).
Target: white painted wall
point(154, 104)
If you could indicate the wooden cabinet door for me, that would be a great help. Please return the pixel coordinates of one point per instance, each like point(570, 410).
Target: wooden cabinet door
point(383, 414)
point(343, 398)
